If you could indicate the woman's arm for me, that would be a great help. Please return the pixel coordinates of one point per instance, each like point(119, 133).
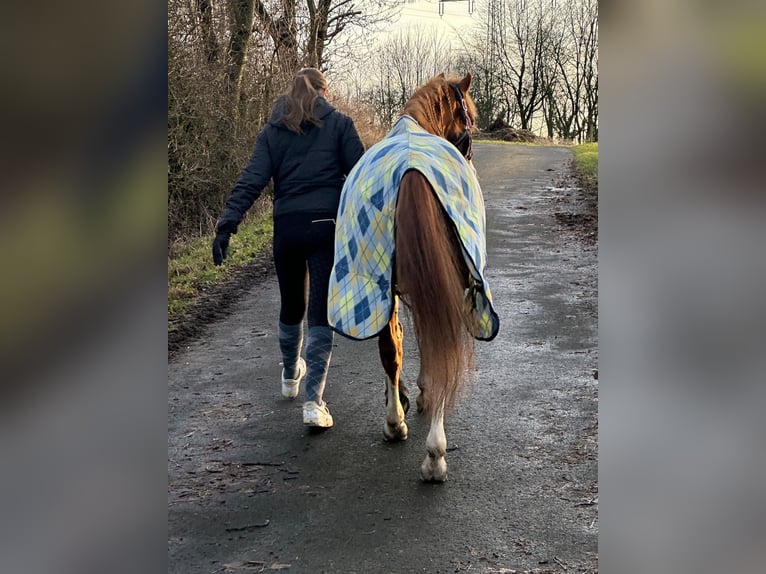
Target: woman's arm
point(248, 187)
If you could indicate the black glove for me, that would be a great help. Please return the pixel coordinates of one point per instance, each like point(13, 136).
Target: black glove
point(220, 247)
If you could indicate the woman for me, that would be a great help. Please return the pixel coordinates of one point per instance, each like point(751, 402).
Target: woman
point(308, 148)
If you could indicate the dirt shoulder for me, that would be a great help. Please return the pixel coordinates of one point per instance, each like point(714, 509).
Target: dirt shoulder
point(216, 301)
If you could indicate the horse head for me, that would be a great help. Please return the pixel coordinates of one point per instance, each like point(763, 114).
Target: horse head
point(443, 107)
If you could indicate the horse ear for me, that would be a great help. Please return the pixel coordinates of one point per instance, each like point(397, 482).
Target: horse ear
point(465, 83)
point(440, 75)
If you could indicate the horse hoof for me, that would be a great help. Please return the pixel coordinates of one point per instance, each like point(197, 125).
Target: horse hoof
point(395, 432)
point(434, 469)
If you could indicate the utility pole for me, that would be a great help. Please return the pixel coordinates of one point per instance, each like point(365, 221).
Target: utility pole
point(471, 4)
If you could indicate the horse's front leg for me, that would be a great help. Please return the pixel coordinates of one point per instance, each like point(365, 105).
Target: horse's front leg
point(391, 354)
point(434, 467)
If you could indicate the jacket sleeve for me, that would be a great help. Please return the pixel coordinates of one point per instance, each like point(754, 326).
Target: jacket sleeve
point(248, 187)
point(351, 148)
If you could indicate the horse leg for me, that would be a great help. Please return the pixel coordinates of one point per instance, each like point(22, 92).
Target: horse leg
point(391, 354)
point(420, 402)
point(434, 467)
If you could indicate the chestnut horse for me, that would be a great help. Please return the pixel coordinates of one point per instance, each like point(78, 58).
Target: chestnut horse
point(430, 270)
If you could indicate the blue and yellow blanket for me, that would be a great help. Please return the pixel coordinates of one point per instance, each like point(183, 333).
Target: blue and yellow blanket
point(360, 299)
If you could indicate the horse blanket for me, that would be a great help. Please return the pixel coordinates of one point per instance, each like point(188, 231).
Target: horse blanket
point(360, 300)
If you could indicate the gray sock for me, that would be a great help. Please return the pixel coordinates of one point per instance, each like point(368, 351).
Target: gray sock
point(318, 353)
point(290, 342)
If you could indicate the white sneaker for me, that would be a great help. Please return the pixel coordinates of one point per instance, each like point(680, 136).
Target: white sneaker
point(315, 415)
point(290, 387)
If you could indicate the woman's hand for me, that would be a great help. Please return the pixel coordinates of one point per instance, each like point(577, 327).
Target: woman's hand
point(220, 247)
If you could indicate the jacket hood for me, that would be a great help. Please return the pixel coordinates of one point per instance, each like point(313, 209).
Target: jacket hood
point(322, 109)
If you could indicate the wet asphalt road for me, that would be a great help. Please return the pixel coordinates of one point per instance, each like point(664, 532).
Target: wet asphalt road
point(250, 490)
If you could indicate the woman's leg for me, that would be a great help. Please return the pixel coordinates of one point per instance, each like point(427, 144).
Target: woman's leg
point(290, 263)
point(320, 336)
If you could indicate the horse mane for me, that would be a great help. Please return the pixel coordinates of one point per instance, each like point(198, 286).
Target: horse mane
point(427, 106)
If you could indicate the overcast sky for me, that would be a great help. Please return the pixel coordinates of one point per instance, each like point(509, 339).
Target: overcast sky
point(426, 12)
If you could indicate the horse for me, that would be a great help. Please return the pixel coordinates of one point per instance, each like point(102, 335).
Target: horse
point(410, 231)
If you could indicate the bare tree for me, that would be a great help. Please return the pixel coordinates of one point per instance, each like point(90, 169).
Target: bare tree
point(586, 31)
point(521, 53)
point(209, 39)
point(562, 92)
point(242, 17)
point(573, 100)
point(403, 61)
point(481, 59)
point(535, 64)
point(383, 96)
point(302, 30)
point(279, 21)
point(227, 61)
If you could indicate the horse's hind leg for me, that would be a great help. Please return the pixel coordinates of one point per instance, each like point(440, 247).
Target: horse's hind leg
point(391, 353)
point(420, 402)
point(434, 467)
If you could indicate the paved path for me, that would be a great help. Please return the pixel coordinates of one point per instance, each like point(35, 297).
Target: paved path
point(251, 491)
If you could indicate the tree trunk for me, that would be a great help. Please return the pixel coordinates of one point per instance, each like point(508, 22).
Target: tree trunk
point(209, 41)
point(284, 34)
point(319, 13)
point(242, 12)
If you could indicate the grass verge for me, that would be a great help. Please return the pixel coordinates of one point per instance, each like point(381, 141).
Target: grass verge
point(191, 269)
point(586, 164)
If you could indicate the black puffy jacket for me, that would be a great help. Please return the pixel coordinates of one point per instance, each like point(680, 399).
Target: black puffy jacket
point(308, 168)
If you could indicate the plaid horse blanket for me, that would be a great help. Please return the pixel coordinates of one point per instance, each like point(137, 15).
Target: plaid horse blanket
point(360, 300)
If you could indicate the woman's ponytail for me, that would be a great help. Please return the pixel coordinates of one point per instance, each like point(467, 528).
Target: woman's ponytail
point(301, 97)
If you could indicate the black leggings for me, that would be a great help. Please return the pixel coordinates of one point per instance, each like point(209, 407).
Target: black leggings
point(303, 242)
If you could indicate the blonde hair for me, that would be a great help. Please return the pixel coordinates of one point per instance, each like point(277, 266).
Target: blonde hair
point(301, 97)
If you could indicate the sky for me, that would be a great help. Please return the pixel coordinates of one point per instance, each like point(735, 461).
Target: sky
point(425, 15)
point(426, 12)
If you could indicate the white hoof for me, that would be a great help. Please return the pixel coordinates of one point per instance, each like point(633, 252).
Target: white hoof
point(434, 468)
point(395, 432)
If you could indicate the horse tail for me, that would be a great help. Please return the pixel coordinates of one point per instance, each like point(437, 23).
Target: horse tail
point(432, 275)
